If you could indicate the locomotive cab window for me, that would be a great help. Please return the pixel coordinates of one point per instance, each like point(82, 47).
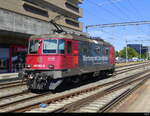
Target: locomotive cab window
point(33, 46)
point(107, 51)
point(61, 46)
point(85, 50)
point(50, 46)
point(98, 50)
point(69, 48)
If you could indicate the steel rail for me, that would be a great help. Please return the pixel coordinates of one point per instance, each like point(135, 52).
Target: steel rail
point(14, 95)
point(23, 100)
point(21, 93)
point(20, 83)
point(113, 103)
point(85, 101)
point(130, 68)
point(52, 100)
point(131, 64)
point(12, 85)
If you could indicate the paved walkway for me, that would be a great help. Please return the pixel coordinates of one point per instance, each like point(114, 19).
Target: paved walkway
point(8, 75)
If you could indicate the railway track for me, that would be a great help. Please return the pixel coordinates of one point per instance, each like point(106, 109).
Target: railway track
point(115, 101)
point(131, 68)
point(11, 84)
point(5, 85)
point(99, 101)
point(8, 80)
point(131, 64)
point(29, 104)
point(25, 101)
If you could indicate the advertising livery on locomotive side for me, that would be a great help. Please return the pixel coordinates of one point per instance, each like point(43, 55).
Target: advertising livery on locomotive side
point(55, 57)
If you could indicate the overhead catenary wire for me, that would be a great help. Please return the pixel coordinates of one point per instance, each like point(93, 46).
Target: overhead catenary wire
point(119, 9)
point(135, 9)
point(106, 2)
point(127, 8)
point(96, 16)
point(106, 10)
point(130, 3)
point(137, 12)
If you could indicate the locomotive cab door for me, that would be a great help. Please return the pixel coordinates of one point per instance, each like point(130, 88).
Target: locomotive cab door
point(69, 54)
point(112, 55)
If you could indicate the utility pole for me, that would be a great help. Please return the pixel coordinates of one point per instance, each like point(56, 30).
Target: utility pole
point(86, 29)
point(126, 52)
point(147, 52)
point(140, 50)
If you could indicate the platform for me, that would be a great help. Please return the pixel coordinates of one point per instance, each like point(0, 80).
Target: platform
point(8, 76)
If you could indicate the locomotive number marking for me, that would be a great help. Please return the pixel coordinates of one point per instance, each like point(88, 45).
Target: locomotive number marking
point(39, 65)
point(51, 59)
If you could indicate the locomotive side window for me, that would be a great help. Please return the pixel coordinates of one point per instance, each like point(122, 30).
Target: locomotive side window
point(33, 46)
point(107, 51)
point(85, 51)
point(61, 46)
point(69, 50)
point(49, 46)
point(86, 48)
point(98, 50)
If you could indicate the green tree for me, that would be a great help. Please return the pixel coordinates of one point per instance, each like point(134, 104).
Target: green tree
point(117, 54)
point(131, 53)
point(144, 55)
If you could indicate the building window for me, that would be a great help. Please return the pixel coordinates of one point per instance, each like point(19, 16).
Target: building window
point(72, 23)
point(35, 10)
point(72, 7)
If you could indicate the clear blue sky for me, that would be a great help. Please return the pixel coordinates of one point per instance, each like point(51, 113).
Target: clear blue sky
point(116, 11)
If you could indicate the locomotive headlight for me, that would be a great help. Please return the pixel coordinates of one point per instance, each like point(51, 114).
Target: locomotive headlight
point(50, 66)
point(28, 65)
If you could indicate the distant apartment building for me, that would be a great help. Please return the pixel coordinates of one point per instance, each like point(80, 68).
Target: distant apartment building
point(19, 19)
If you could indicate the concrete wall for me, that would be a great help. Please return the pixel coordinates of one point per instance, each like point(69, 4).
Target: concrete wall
point(16, 6)
point(11, 21)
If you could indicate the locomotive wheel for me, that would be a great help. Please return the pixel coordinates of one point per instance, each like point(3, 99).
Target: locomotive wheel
point(29, 84)
point(75, 79)
point(103, 74)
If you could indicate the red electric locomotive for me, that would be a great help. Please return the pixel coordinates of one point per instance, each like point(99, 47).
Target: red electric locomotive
point(54, 57)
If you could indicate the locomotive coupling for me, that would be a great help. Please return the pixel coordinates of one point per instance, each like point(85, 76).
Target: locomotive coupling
point(22, 74)
point(30, 77)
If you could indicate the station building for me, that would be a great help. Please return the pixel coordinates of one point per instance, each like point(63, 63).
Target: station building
point(19, 19)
